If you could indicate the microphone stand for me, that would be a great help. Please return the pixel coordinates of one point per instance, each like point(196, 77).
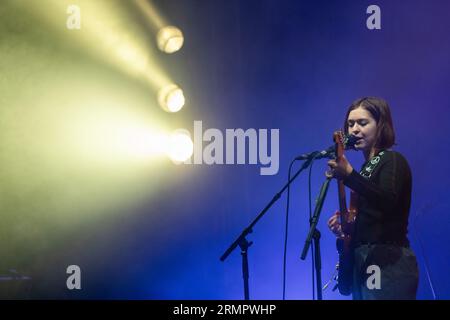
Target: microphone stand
point(315, 234)
point(242, 242)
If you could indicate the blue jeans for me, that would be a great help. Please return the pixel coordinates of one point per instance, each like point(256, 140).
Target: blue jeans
point(399, 273)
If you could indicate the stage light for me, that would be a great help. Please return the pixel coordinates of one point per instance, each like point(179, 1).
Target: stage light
point(170, 39)
point(171, 98)
point(180, 146)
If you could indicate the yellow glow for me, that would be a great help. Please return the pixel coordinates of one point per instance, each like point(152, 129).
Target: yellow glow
point(156, 20)
point(110, 135)
point(135, 142)
point(132, 57)
point(180, 147)
point(81, 147)
point(171, 98)
point(170, 39)
point(109, 32)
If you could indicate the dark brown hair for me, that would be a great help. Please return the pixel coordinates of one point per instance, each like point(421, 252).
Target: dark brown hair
point(380, 111)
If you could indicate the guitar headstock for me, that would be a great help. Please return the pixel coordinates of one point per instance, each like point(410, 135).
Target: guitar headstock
point(339, 139)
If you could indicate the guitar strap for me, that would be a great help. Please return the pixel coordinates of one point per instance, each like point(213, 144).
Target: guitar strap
point(370, 166)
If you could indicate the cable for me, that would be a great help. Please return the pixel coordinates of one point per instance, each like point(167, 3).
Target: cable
point(286, 230)
point(425, 260)
point(312, 247)
point(287, 225)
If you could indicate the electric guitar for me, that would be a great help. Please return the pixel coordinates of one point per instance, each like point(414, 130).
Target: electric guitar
point(347, 219)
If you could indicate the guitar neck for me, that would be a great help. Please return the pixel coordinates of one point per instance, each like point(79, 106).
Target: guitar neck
point(342, 203)
point(338, 139)
point(342, 197)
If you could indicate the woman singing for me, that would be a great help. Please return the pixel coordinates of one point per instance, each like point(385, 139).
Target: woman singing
point(383, 186)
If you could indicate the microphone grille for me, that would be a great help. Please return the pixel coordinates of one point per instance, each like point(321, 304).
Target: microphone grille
point(350, 141)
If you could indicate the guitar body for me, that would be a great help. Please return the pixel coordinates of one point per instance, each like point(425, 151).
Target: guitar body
point(345, 271)
point(343, 245)
point(347, 219)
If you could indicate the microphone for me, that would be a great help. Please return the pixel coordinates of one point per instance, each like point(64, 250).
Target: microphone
point(349, 143)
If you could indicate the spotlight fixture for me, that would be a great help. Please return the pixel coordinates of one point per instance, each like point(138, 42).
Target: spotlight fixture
point(169, 39)
point(171, 98)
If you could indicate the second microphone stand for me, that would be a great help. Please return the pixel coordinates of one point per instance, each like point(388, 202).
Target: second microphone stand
point(315, 234)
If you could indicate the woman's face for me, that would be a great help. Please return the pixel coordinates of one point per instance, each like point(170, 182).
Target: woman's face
point(362, 125)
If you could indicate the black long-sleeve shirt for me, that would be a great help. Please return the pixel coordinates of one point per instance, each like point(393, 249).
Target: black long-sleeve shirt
point(384, 200)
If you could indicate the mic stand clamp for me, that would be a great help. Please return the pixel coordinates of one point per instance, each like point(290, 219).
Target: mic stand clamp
point(244, 245)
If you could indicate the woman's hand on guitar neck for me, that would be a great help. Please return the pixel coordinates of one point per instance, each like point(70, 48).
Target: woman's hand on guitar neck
point(334, 225)
point(339, 169)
